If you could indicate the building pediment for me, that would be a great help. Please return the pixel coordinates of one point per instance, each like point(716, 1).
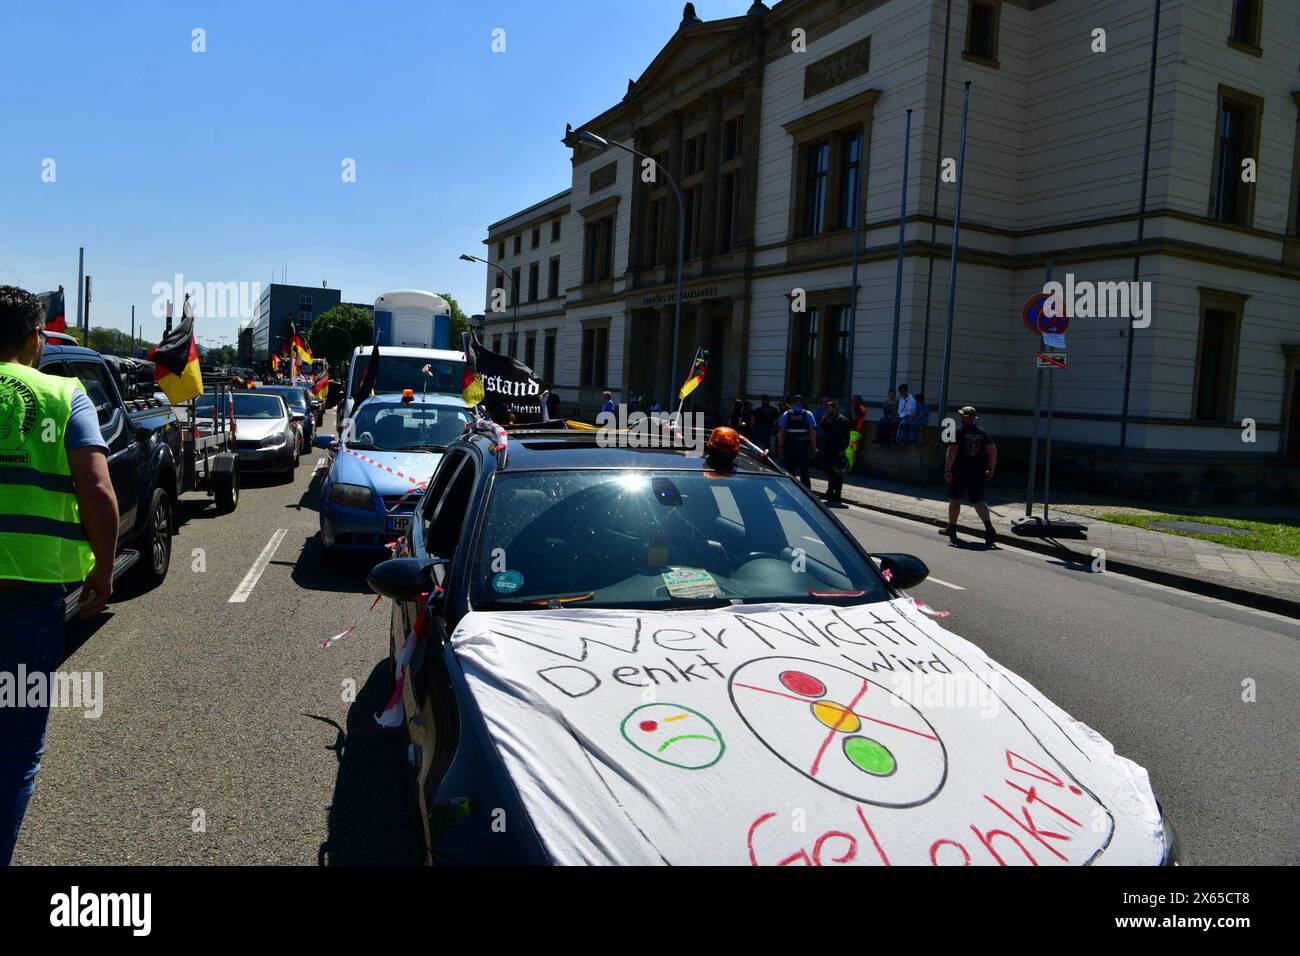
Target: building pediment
point(699, 46)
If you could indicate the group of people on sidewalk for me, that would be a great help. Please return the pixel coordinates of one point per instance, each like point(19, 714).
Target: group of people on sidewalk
point(803, 437)
point(822, 436)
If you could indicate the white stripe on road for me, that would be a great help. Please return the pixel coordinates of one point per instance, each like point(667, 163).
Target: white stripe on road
point(255, 572)
point(320, 463)
point(955, 587)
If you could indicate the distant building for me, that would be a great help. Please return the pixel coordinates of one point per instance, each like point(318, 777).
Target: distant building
point(780, 150)
point(244, 344)
point(281, 305)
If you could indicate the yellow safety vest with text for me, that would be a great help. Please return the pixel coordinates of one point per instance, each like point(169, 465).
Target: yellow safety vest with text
point(41, 537)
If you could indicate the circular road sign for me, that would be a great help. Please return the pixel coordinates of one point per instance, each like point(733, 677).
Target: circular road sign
point(1036, 318)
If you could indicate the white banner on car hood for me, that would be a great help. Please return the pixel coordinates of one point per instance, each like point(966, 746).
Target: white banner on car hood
point(790, 734)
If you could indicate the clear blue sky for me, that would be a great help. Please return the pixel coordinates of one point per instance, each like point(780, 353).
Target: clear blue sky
point(225, 165)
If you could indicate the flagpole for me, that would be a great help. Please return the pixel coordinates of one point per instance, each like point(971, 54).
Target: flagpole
point(898, 270)
point(952, 267)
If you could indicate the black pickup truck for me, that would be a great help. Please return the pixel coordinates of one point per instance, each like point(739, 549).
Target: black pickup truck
point(151, 460)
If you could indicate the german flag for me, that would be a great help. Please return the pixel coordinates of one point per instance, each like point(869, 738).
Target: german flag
point(55, 320)
point(471, 386)
point(299, 346)
point(321, 386)
point(698, 369)
point(275, 364)
point(176, 363)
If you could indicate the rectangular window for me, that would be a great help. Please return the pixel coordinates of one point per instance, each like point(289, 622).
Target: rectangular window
point(518, 244)
point(501, 249)
point(530, 349)
point(533, 271)
point(807, 344)
point(537, 237)
point(599, 263)
point(726, 212)
point(1216, 361)
point(595, 349)
point(982, 31)
point(691, 200)
point(555, 230)
point(548, 359)
point(733, 132)
point(657, 209)
point(816, 182)
point(496, 344)
point(514, 286)
point(850, 181)
point(553, 280)
point(1238, 137)
point(1245, 22)
point(694, 155)
point(838, 366)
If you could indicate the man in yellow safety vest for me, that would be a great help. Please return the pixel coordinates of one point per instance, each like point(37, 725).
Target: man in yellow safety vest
point(58, 526)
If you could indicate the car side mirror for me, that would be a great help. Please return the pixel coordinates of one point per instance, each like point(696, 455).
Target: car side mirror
point(404, 579)
point(905, 570)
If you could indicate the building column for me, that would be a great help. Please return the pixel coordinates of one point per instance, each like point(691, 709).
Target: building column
point(708, 226)
point(676, 163)
point(733, 382)
point(747, 191)
point(639, 215)
point(664, 387)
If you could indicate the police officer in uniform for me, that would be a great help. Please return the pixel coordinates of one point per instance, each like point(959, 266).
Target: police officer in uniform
point(58, 526)
point(796, 437)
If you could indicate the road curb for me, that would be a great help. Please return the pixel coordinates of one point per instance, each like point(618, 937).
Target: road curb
point(1182, 582)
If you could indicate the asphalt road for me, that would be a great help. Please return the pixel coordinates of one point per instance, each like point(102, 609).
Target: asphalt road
point(233, 710)
point(229, 735)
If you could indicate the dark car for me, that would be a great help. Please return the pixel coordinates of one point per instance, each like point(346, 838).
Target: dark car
point(145, 457)
point(643, 655)
point(299, 400)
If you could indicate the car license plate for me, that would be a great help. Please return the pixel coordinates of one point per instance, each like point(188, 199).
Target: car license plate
point(398, 523)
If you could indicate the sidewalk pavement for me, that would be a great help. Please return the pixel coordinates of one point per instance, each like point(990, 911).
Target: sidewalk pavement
point(1255, 578)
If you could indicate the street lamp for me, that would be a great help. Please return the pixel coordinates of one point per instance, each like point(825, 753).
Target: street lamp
point(514, 293)
point(600, 142)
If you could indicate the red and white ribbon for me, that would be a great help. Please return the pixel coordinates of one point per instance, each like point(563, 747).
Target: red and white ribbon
point(330, 642)
point(394, 714)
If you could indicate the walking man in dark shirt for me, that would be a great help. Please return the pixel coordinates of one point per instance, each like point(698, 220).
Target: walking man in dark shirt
point(796, 437)
point(835, 428)
point(971, 460)
point(763, 422)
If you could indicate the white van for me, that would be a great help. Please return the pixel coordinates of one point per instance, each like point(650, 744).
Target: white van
point(401, 368)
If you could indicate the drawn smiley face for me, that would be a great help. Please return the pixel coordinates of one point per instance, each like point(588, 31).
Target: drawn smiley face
point(675, 735)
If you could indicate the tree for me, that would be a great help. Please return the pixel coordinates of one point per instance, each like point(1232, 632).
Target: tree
point(112, 341)
point(338, 331)
point(459, 320)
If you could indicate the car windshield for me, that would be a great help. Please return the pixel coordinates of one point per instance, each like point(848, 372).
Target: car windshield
point(398, 372)
point(247, 405)
point(415, 427)
point(669, 539)
point(295, 398)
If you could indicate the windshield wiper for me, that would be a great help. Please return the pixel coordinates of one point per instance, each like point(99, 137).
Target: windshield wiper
point(421, 446)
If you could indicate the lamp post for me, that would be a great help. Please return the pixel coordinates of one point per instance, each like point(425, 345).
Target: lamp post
point(514, 294)
point(591, 139)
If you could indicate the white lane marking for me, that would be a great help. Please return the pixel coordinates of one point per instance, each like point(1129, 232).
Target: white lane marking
point(955, 587)
point(320, 463)
point(255, 572)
